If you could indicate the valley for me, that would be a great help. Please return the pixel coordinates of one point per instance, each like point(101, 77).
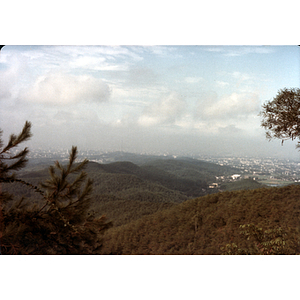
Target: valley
point(158, 204)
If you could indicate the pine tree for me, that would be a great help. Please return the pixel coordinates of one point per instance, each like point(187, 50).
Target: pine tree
point(67, 207)
point(9, 164)
point(63, 223)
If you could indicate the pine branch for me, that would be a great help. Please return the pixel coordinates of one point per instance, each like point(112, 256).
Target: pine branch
point(73, 156)
point(80, 166)
point(22, 153)
point(15, 140)
point(85, 193)
point(58, 165)
point(78, 181)
point(1, 141)
point(19, 164)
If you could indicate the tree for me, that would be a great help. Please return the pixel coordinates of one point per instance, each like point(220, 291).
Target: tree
point(265, 242)
point(9, 164)
point(63, 222)
point(281, 116)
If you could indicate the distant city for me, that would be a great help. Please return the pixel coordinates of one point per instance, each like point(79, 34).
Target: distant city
point(269, 171)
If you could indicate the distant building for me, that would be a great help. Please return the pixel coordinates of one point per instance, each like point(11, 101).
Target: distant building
point(235, 176)
point(213, 185)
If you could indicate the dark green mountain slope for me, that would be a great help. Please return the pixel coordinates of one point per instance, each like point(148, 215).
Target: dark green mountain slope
point(191, 188)
point(125, 191)
point(191, 169)
point(205, 224)
point(130, 187)
point(121, 211)
point(243, 184)
point(187, 176)
point(117, 179)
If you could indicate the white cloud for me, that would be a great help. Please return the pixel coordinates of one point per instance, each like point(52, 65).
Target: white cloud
point(94, 58)
point(244, 50)
point(166, 111)
point(6, 84)
point(193, 79)
point(62, 89)
point(233, 106)
point(214, 49)
point(222, 83)
point(158, 50)
point(75, 116)
point(229, 130)
point(241, 76)
point(96, 63)
point(13, 75)
point(142, 76)
point(136, 95)
point(239, 50)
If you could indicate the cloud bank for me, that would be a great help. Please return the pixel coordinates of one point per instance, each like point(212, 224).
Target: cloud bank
point(65, 89)
point(143, 97)
point(166, 111)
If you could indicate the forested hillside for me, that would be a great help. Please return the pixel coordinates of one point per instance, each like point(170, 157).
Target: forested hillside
point(191, 169)
point(155, 208)
point(204, 225)
point(125, 191)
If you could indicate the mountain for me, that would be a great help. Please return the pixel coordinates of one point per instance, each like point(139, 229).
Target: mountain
point(244, 184)
point(148, 173)
point(191, 169)
point(206, 224)
point(125, 191)
point(160, 206)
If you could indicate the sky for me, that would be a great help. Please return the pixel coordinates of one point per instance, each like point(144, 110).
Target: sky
point(181, 100)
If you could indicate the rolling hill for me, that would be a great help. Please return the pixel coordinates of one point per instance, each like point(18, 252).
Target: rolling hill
point(204, 225)
point(160, 207)
point(166, 180)
point(126, 192)
point(191, 169)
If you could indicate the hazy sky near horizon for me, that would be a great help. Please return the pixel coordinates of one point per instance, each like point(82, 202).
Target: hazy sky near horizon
point(176, 99)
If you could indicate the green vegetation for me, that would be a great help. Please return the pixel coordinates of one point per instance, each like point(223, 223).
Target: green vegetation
point(266, 180)
point(126, 192)
point(281, 115)
point(243, 184)
point(207, 224)
point(60, 223)
point(191, 169)
point(150, 217)
point(265, 242)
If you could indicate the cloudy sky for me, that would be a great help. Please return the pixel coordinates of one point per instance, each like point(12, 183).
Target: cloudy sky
point(176, 99)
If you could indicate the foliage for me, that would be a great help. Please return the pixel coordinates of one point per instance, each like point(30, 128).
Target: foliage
point(10, 163)
point(193, 172)
point(204, 225)
point(281, 116)
point(243, 184)
point(127, 192)
point(266, 242)
point(62, 224)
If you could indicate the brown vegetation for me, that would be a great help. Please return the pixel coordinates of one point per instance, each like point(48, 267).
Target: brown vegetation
point(207, 224)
